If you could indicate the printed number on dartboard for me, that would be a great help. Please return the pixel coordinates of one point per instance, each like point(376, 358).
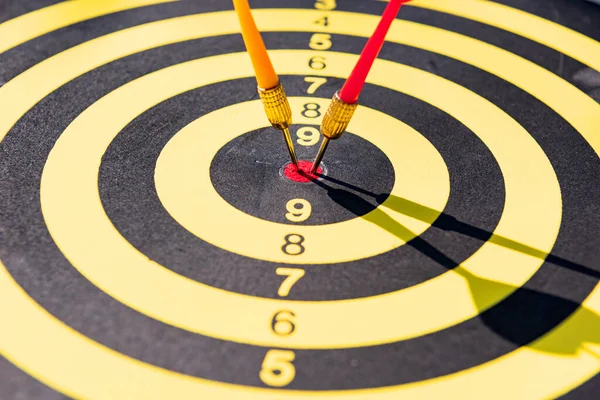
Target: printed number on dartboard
point(320, 41)
point(283, 323)
point(307, 136)
point(315, 83)
point(311, 110)
point(299, 210)
point(293, 245)
point(325, 5)
point(292, 275)
point(317, 63)
point(277, 368)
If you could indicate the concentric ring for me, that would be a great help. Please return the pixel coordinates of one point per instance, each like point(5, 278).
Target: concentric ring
point(536, 187)
point(183, 181)
point(579, 320)
point(130, 200)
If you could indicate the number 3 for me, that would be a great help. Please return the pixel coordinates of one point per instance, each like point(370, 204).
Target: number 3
point(325, 4)
point(277, 368)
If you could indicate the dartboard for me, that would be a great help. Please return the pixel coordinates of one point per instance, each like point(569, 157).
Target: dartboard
point(152, 244)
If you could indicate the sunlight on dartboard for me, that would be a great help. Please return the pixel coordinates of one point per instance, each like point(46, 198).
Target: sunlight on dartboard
point(189, 212)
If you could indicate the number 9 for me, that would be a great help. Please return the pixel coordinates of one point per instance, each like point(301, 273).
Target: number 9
point(308, 136)
point(296, 214)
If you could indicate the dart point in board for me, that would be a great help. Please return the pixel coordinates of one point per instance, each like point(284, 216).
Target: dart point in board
point(344, 102)
point(270, 89)
point(301, 173)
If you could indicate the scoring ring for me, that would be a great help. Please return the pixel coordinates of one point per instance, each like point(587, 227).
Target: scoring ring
point(138, 375)
point(183, 182)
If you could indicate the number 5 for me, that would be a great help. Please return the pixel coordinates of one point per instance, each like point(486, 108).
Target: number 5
point(277, 368)
point(320, 41)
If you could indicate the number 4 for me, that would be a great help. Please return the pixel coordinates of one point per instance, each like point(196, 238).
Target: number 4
point(316, 83)
point(293, 276)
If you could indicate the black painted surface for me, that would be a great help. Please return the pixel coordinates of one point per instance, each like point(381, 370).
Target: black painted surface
point(568, 275)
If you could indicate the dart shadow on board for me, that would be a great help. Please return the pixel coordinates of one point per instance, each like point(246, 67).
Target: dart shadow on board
point(523, 317)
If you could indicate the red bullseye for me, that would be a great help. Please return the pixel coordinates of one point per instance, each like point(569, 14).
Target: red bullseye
point(302, 173)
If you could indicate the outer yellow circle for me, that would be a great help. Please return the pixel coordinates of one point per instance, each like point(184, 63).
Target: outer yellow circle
point(535, 371)
point(81, 229)
point(184, 187)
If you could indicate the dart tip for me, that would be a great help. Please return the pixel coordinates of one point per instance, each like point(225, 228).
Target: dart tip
point(320, 155)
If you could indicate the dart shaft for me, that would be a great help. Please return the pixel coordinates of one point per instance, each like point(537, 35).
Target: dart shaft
point(320, 155)
point(355, 82)
point(279, 114)
point(263, 68)
point(335, 122)
point(344, 103)
point(270, 89)
point(290, 145)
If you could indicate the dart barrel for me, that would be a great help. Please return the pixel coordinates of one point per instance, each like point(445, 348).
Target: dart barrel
point(276, 106)
point(337, 117)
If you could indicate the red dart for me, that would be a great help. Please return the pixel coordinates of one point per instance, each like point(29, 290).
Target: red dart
point(354, 84)
point(345, 101)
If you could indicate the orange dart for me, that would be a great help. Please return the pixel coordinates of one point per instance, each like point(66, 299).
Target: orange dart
point(270, 89)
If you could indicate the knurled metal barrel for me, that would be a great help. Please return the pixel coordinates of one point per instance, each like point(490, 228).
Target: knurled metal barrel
point(277, 106)
point(337, 118)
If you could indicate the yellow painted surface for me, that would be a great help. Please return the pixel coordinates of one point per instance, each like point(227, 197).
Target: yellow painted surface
point(183, 183)
point(37, 23)
point(551, 365)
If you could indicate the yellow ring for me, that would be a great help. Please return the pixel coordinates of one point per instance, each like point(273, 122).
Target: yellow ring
point(39, 22)
point(532, 195)
point(130, 377)
point(183, 183)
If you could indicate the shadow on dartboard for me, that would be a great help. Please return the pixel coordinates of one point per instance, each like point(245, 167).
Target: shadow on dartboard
point(521, 318)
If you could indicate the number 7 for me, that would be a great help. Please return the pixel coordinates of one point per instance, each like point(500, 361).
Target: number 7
point(316, 83)
point(293, 276)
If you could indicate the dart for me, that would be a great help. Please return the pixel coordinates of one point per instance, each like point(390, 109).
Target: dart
point(344, 102)
point(270, 89)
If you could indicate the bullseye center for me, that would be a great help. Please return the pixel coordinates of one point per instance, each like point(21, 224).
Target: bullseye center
point(301, 173)
point(253, 173)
